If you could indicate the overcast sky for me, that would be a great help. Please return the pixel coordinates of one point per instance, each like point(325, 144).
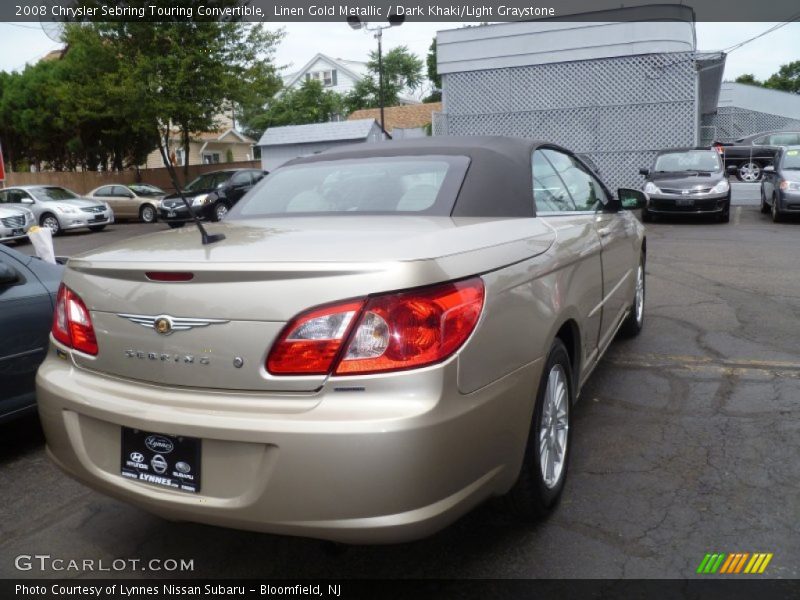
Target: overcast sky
point(25, 42)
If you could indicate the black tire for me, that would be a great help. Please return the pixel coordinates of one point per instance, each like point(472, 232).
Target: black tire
point(219, 211)
point(777, 216)
point(725, 217)
point(764, 205)
point(148, 214)
point(174, 225)
point(50, 221)
point(531, 498)
point(96, 227)
point(634, 322)
point(647, 216)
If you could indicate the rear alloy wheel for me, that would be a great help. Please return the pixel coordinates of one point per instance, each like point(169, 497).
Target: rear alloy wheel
point(51, 222)
point(147, 214)
point(777, 217)
point(220, 210)
point(634, 322)
point(749, 172)
point(544, 467)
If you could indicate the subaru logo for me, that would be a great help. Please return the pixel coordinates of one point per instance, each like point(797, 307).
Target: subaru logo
point(183, 467)
point(159, 444)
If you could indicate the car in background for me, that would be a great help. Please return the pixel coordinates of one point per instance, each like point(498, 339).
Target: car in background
point(211, 195)
point(28, 288)
point(134, 201)
point(416, 316)
point(58, 208)
point(749, 155)
point(687, 181)
point(780, 188)
point(15, 221)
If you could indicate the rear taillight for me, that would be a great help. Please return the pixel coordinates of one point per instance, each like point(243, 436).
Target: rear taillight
point(388, 332)
point(72, 325)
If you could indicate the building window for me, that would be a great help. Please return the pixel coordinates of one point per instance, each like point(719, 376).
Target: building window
point(180, 157)
point(326, 78)
point(210, 158)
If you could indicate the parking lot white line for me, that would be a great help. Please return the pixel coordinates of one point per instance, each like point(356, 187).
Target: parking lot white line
point(737, 215)
point(700, 363)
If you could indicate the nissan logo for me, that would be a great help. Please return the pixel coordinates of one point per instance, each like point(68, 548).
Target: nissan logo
point(159, 444)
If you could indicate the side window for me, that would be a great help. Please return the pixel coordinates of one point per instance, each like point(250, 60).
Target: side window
point(761, 141)
point(587, 193)
point(120, 192)
point(241, 178)
point(3, 197)
point(549, 193)
point(103, 191)
point(783, 139)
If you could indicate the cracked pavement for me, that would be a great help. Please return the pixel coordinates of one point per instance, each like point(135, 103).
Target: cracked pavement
point(686, 441)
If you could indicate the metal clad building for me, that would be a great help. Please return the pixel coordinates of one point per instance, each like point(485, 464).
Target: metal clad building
point(616, 91)
point(745, 109)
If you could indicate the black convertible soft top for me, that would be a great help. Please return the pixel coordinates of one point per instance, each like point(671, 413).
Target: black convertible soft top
point(497, 183)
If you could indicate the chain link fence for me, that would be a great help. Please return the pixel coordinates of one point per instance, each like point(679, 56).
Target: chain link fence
point(618, 111)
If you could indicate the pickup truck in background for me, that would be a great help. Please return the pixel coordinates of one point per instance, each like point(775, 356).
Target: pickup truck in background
point(752, 153)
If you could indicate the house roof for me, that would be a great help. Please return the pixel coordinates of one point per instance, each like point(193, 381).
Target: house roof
point(409, 116)
point(217, 136)
point(317, 132)
point(353, 68)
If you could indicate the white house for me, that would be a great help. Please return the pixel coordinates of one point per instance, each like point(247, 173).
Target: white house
point(335, 74)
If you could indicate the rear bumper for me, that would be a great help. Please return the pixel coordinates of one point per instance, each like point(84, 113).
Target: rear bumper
point(688, 205)
point(397, 461)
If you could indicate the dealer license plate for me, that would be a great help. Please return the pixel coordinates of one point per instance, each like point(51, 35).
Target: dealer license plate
point(684, 202)
point(164, 460)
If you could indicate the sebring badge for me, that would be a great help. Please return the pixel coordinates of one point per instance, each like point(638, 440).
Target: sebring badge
point(165, 324)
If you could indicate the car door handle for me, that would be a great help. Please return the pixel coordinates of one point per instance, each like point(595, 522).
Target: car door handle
point(604, 232)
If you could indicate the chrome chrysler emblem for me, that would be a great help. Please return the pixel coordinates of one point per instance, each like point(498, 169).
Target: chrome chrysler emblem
point(165, 324)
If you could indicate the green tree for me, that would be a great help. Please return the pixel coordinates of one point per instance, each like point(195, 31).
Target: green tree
point(180, 75)
point(402, 70)
point(786, 79)
point(310, 103)
point(748, 79)
point(433, 75)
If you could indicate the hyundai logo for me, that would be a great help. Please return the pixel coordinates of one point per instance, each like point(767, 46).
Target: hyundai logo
point(159, 444)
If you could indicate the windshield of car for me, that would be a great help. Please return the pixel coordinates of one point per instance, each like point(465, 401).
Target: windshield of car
point(53, 194)
point(691, 160)
point(146, 190)
point(208, 181)
point(791, 160)
point(397, 185)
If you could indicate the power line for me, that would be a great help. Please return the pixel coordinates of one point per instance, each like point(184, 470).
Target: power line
point(762, 34)
point(20, 25)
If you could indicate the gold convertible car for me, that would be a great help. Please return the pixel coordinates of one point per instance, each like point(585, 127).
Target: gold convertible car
point(388, 335)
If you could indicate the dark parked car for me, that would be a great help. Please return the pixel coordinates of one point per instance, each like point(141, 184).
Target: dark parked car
point(752, 153)
point(780, 188)
point(28, 288)
point(211, 195)
point(687, 181)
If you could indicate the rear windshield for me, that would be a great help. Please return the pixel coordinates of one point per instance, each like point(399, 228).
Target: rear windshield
point(209, 181)
point(47, 194)
point(691, 160)
point(398, 185)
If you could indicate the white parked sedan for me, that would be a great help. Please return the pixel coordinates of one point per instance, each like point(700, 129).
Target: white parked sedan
point(15, 221)
point(58, 208)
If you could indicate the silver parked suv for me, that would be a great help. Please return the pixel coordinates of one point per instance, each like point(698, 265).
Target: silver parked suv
point(58, 208)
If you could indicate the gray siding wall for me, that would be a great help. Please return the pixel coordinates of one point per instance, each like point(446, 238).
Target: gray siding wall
point(620, 111)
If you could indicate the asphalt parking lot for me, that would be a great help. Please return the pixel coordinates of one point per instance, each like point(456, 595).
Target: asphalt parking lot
point(685, 442)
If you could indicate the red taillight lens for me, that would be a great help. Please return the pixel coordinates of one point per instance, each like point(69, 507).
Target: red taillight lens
point(311, 341)
point(72, 325)
point(169, 276)
point(390, 332)
point(413, 329)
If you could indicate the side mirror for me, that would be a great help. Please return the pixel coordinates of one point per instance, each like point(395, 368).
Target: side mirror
point(644, 172)
point(631, 199)
point(731, 169)
point(7, 275)
point(769, 169)
point(26, 201)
